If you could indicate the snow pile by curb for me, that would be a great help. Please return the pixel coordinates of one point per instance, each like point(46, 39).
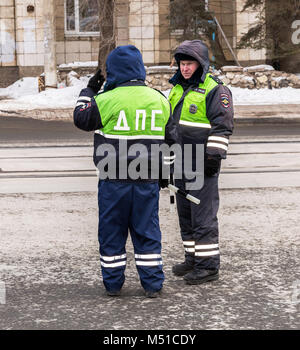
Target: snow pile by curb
point(265, 96)
point(262, 96)
point(23, 95)
point(22, 87)
point(64, 97)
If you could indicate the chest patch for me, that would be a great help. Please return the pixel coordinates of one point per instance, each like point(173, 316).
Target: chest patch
point(201, 91)
point(193, 108)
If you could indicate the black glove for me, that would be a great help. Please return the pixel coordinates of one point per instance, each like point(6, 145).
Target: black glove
point(163, 183)
point(96, 81)
point(211, 166)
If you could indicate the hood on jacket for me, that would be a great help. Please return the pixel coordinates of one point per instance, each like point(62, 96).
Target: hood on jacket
point(124, 63)
point(197, 50)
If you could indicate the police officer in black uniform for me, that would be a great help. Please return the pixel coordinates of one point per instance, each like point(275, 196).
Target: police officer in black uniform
point(202, 108)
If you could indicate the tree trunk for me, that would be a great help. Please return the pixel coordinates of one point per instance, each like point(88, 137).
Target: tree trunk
point(107, 40)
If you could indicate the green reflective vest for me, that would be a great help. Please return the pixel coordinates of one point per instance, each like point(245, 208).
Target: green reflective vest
point(193, 111)
point(133, 112)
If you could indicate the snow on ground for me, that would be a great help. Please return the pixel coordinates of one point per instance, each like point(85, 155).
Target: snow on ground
point(262, 96)
point(25, 86)
point(265, 96)
point(79, 64)
point(23, 95)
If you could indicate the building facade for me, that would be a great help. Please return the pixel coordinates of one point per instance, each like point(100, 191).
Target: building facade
point(143, 23)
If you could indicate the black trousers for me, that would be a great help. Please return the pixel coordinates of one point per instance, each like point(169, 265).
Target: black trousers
point(199, 224)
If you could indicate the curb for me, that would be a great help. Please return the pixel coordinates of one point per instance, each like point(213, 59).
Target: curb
point(266, 120)
point(62, 114)
point(66, 114)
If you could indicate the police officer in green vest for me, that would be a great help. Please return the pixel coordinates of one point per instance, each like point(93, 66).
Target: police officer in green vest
point(129, 119)
point(202, 108)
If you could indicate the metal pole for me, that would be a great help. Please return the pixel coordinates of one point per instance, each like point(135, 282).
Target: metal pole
point(227, 42)
point(49, 45)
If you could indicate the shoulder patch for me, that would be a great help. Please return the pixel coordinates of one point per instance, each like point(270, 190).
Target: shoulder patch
point(216, 79)
point(225, 100)
point(85, 106)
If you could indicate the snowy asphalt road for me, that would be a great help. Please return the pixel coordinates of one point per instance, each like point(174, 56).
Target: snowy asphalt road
point(49, 264)
point(18, 131)
point(50, 267)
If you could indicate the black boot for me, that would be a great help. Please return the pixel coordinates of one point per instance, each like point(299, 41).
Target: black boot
point(182, 269)
point(201, 276)
point(113, 293)
point(152, 294)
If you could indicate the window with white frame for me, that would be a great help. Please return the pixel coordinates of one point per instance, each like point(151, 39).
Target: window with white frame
point(82, 17)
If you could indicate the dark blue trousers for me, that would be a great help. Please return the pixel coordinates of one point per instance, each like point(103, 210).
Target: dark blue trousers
point(199, 224)
point(133, 207)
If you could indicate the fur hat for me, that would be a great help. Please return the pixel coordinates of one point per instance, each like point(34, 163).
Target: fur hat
point(183, 57)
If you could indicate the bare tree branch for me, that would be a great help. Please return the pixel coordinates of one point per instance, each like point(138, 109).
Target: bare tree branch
point(272, 30)
point(191, 20)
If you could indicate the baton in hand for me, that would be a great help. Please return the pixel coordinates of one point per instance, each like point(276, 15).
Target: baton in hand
point(183, 194)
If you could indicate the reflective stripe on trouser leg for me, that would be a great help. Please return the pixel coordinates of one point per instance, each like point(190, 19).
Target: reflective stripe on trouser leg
point(189, 247)
point(205, 225)
point(148, 259)
point(146, 235)
point(114, 200)
point(189, 251)
point(113, 268)
point(149, 267)
point(113, 261)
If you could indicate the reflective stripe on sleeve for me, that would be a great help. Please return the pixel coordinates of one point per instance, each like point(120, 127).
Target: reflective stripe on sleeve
point(169, 163)
point(197, 125)
point(218, 139)
point(217, 145)
point(217, 142)
point(80, 104)
point(84, 99)
point(168, 160)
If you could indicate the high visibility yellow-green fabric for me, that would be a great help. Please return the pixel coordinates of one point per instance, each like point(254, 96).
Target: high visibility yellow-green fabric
point(133, 111)
point(194, 105)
